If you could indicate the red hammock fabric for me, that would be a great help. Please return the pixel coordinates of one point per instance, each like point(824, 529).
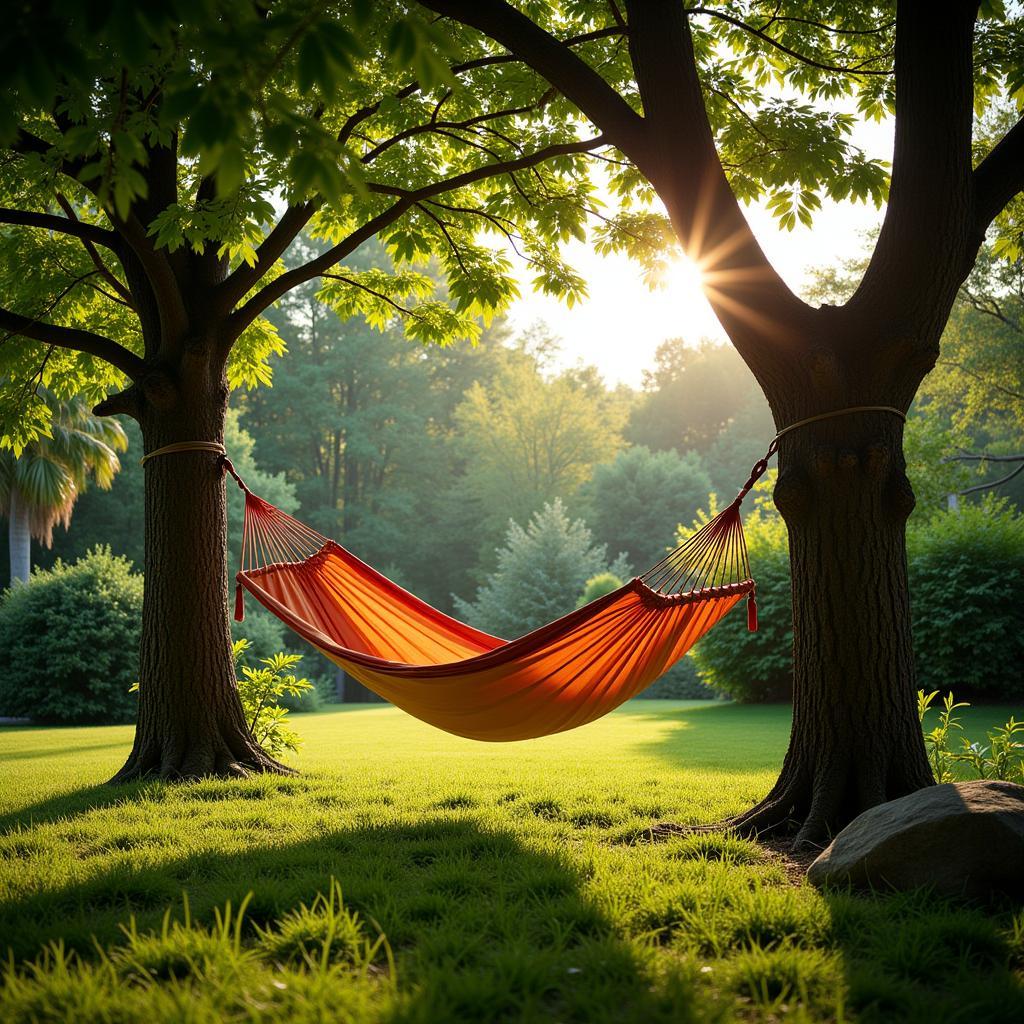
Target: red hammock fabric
point(457, 678)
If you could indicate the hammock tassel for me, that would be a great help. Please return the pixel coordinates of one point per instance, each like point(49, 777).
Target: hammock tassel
point(239, 603)
point(752, 612)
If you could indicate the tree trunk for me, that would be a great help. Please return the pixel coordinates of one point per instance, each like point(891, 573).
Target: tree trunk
point(19, 535)
point(856, 740)
point(190, 720)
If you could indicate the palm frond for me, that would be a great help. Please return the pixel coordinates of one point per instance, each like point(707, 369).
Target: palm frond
point(53, 470)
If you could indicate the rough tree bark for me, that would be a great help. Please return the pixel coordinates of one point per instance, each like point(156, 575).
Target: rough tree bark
point(855, 740)
point(190, 721)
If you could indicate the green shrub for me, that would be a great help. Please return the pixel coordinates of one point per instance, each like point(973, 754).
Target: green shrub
point(262, 691)
point(633, 503)
point(69, 642)
point(324, 691)
point(966, 580)
point(541, 571)
point(1001, 758)
point(598, 586)
point(755, 667)
point(264, 632)
point(966, 571)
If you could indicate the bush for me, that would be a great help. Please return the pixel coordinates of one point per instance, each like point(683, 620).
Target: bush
point(69, 642)
point(966, 572)
point(598, 586)
point(634, 503)
point(264, 632)
point(262, 691)
point(324, 691)
point(966, 579)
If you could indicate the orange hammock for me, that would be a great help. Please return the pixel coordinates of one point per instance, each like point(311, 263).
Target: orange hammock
point(457, 678)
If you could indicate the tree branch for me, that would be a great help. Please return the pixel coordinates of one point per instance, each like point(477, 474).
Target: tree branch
point(974, 375)
point(555, 61)
point(26, 142)
point(992, 484)
point(125, 295)
point(273, 290)
point(982, 457)
point(397, 306)
point(63, 225)
point(170, 304)
point(405, 199)
point(490, 60)
point(434, 125)
point(73, 338)
point(752, 301)
point(155, 264)
point(928, 238)
point(489, 170)
point(1000, 176)
point(858, 69)
point(270, 250)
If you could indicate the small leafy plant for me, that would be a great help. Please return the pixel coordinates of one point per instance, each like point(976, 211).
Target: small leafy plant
point(1002, 758)
point(261, 689)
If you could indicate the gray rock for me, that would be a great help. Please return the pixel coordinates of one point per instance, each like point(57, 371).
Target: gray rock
point(962, 839)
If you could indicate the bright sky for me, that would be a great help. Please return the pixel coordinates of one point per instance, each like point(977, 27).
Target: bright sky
point(619, 326)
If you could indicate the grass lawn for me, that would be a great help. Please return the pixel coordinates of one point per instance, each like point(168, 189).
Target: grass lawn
point(411, 876)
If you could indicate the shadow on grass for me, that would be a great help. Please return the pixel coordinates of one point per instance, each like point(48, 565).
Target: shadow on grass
point(723, 736)
point(66, 806)
point(482, 927)
point(31, 753)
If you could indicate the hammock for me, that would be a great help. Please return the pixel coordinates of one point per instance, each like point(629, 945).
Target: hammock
point(467, 682)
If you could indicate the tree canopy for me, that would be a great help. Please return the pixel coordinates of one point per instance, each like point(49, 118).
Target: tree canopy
point(187, 160)
point(220, 130)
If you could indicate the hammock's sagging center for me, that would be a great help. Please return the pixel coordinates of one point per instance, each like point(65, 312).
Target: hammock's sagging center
point(567, 673)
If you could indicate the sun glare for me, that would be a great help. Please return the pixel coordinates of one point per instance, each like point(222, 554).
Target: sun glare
point(685, 283)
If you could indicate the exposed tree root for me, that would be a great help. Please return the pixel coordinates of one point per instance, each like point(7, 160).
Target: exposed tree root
point(806, 809)
point(177, 762)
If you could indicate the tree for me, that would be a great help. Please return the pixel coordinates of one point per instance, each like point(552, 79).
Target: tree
point(529, 439)
point(691, 396)
point(114, 517)
point(969, 409)
point(39, 487)
point(345, 404)
point(158, 161)
point(541, 571)
point(977, 385)
point(362, 424)
point(635, 503)
point(682, 93)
